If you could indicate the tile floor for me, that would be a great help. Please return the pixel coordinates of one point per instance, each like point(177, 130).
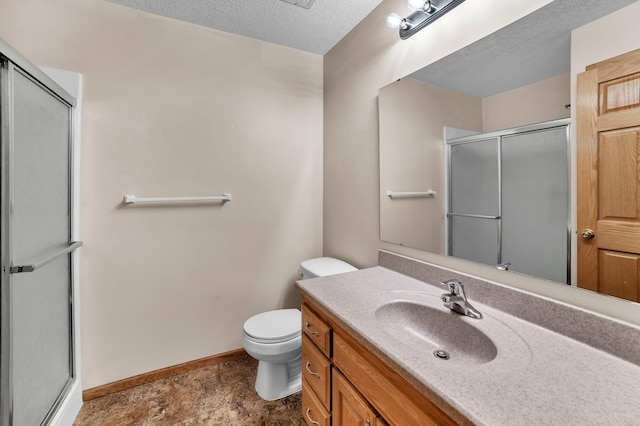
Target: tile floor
point(222, 394)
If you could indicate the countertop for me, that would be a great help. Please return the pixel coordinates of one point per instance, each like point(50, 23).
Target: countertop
point(538, 377)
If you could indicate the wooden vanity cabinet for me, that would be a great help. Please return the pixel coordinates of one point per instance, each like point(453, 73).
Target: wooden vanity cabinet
point(345, 384)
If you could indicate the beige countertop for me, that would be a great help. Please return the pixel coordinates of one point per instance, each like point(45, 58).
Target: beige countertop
point(536, 377)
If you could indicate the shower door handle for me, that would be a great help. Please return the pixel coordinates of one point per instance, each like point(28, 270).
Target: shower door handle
point(37, 265)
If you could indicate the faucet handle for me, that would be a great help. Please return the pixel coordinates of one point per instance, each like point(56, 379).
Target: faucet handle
point(453, 285)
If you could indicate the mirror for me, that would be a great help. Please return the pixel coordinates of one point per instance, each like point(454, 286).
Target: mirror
point(514, 77)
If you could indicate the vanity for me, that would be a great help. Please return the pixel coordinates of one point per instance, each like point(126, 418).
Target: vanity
point(346, 383)
point(380, 348)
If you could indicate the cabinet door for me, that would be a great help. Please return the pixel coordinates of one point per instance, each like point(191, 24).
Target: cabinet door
point(349, 407)
point(391, 395)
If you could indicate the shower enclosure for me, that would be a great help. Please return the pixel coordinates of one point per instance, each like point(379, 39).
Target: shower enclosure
point(508, 199)
point(37, 366)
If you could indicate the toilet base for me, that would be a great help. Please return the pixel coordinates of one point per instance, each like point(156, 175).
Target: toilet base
point(275, 381)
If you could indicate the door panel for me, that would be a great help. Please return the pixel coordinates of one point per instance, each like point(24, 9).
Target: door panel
point(475, 178)
point(618, 164)
point(618, 274)
point(40, 225)
point(619, 94)
point(475, 239)
point(619, 235)
point(535, 203)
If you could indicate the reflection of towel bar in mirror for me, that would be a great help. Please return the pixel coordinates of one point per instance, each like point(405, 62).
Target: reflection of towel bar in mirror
point(392, 194)
point(132, 199)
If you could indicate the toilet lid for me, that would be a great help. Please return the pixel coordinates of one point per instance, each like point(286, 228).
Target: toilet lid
point(274, 326)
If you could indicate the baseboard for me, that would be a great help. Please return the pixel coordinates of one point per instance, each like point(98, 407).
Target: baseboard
point(162, 373)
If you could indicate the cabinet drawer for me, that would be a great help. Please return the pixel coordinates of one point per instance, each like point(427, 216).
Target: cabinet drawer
point(316, 369)
point(312, 409)
point(317, 330)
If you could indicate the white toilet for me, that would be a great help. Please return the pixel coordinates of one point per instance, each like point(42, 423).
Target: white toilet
point(274, 338)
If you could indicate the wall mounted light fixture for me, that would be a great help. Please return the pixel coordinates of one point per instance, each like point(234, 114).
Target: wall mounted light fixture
point(425, 12)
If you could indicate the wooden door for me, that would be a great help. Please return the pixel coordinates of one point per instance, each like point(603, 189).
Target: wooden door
point(608, 133)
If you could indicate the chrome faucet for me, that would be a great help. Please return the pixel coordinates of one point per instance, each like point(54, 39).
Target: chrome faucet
point(456, 300)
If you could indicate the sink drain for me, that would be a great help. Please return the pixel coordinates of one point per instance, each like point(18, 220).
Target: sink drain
point(441, 354)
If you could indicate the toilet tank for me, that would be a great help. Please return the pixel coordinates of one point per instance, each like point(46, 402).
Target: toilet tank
point(324, 266)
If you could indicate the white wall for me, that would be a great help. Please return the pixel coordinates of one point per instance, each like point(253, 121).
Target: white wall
point(173, 109)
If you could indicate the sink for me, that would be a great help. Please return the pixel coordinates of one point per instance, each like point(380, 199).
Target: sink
point(426, 326)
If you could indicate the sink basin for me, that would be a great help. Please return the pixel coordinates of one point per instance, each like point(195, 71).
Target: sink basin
point(426, 326)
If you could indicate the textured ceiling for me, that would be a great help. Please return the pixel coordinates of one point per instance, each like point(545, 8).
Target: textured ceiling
point(314, 30)
point(531, 49)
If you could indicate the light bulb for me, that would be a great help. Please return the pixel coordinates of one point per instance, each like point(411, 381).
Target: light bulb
point(394, 20)
point(422, 5)
point(416, 4)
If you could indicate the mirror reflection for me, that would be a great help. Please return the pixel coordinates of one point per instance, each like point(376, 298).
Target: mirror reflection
point(508, 199)
point(510, 80)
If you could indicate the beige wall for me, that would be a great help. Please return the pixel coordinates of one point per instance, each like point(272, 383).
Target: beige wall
point(534, 103)
point(412, 117)
point(173, 109)
point(371, 57)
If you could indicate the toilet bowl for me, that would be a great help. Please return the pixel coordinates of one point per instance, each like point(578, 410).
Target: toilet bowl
point(274, 338)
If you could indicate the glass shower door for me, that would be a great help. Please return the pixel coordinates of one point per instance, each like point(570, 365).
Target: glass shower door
point(535, 203)
point(509, 199)
point(474, 200)
point(40, 323)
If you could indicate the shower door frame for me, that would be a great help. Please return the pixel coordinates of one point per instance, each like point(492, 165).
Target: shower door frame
point(499, 134)
point(13, 62)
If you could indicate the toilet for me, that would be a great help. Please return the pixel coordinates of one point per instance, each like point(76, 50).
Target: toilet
point(274, 338)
